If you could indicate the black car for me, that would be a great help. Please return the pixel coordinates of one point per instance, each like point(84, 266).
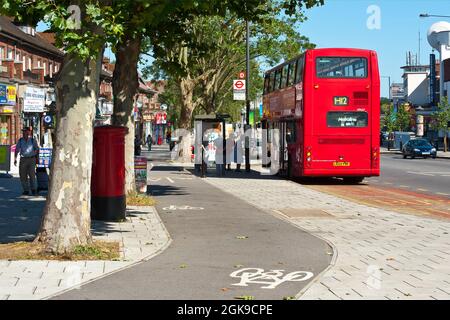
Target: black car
point(418, 148)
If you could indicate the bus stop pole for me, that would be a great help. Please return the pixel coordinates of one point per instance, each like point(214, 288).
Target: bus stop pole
point(247, 101)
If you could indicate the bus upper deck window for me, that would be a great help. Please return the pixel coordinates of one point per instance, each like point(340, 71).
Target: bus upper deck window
point(341, 67)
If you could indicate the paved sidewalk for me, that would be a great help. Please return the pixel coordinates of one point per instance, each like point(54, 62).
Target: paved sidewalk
point(378, 254)
point(142, 236)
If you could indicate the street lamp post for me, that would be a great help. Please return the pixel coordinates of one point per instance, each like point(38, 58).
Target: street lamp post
point(247, 99)
point(441, 52)
point(426, 15)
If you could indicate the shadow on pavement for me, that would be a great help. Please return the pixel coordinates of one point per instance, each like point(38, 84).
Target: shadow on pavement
point(161, 190)
point(20, 216)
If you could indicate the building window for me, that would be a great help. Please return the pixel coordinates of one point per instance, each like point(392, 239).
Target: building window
point(2, 54)
point(45, 69)
point(30, 63)
point(56, 68)
point(18, 56)
point(10, 53)
point(50, 68)
point(39, 63)
point(24, 63)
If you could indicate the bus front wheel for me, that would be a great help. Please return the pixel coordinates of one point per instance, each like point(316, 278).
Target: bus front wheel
point(353, 180)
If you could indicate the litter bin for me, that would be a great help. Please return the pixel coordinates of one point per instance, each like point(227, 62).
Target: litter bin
point(108, 199)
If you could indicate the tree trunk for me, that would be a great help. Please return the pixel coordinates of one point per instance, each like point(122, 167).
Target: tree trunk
point(445, 141)
point(125, 85)
point(66, 221)
point(187, 108)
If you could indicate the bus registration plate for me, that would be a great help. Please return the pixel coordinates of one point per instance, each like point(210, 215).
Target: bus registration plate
point(340, 101)
point(341, 164)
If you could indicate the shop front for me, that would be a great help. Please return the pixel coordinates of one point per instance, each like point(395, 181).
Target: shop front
point(9, 131)
point(34, 106)
point(159, 129)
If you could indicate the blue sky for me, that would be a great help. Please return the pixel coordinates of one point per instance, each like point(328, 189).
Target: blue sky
point(343, 23)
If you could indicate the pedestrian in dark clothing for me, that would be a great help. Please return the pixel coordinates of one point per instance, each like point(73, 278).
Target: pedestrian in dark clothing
point(29, 153)
point(149, 142)
point(137, 146)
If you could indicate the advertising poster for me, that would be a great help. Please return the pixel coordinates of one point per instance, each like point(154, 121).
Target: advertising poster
point(3, 95)
point(45, 157)
point(34, 100)
point(140, 171)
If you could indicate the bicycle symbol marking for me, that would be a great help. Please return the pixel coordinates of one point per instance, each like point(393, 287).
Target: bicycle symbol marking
point(174, 208)
point(271, 279)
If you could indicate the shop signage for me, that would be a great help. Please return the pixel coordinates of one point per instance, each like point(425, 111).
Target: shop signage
point(34, 100)
point(7, 94)
point(161, 118)
point(45, 157)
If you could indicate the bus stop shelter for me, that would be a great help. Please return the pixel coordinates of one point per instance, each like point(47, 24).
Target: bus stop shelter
point(204, 124)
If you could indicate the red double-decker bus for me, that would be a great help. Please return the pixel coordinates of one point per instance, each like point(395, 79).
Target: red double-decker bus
point(326, 104)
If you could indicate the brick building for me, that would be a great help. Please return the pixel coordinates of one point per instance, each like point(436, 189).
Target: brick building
point(28, 65)
point(155, 114)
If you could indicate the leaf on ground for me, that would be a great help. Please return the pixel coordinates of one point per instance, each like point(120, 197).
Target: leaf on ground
point(245, 297)
point(183, 266)
point(225, 289)
point(289, 298)
point(241, 237)
point(390, 259)
point(330, 253)
point(238, 266)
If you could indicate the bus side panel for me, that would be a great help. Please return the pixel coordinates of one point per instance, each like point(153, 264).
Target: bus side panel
point(307, 107)
point(375, 115)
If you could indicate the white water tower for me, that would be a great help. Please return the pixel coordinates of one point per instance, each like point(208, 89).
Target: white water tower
point(439, 39)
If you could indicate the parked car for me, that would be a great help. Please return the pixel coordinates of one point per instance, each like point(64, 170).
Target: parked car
point(418, 148)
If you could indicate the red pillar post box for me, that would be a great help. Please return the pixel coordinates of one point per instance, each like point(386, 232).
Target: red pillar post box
point(108, 199)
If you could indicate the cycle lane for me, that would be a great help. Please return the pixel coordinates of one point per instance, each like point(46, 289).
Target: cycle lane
point(222, 248)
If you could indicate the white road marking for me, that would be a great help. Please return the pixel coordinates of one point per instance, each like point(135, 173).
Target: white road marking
point(174, 208)
point(170, 180)
point(271, 278)
point(421, 173)
point(184, 178)
point(154, 180)
point(419, 189)
point(443, 194)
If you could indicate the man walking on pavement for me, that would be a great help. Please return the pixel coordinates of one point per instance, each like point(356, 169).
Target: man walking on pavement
point(29, 151)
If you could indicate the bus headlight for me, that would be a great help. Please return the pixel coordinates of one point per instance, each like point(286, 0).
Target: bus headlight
point(416, 150)
point(433, 150)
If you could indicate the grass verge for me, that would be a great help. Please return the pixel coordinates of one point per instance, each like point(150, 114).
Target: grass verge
point(98, 250)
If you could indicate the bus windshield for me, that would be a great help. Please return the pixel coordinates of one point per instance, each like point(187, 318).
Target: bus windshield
point(341, 67)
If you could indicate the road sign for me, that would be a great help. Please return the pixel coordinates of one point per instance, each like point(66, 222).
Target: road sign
point(239, 96)
point(48, 119)
point(238, 89)
point(242, 75)
point(238, 84)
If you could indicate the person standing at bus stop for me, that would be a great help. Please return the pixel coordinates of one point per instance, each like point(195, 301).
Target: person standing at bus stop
point(29, 151)
point(219, 145)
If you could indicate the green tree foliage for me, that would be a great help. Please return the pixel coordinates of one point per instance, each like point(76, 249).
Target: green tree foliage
point(389, 117)
point(402, 118)
point(441, 119)
point(206, 64)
